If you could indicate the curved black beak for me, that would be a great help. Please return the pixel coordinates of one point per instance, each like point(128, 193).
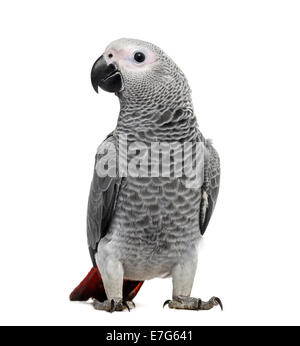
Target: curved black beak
point(107, 77)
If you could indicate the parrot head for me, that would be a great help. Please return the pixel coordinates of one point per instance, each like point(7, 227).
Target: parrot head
point(135, 68)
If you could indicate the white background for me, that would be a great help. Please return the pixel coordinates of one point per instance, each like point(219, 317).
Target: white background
point(242, 61)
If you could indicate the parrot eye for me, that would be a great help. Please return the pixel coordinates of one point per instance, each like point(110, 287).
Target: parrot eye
point(139, 57)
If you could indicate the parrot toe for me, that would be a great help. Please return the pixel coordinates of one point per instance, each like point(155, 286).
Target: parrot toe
point(113, 305)
point(189, 303)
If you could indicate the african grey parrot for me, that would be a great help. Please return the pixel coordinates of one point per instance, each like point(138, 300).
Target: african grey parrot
point(141, 227)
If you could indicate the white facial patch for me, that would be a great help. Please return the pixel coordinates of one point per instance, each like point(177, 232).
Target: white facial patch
point(122, 53)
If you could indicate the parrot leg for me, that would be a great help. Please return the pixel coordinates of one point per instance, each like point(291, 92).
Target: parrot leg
point(183, 277)
point(112, 273)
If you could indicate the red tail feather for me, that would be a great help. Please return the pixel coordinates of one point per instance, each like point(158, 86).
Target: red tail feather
point(92, 287)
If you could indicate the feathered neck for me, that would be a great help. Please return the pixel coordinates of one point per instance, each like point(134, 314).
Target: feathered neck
point(171, 120)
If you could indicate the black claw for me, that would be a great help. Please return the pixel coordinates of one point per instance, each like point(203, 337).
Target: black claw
point(126, 305)
point(112, 305)
point(133, 304)
point(218, 300)
point(199, 304)
point(166, 302)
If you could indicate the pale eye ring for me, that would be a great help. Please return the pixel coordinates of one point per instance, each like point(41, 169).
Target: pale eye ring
point(139, 57)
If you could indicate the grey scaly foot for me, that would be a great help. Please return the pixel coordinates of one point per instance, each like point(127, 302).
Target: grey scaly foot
point(113, 305)
point(189, 303)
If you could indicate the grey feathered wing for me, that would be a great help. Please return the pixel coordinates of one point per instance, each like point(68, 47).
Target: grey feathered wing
point(210, 186)
point(102, 200)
